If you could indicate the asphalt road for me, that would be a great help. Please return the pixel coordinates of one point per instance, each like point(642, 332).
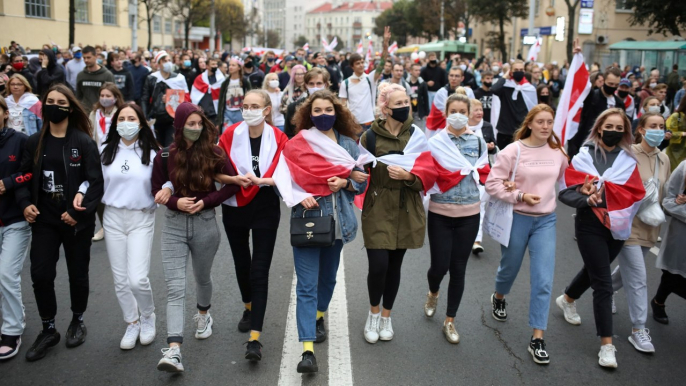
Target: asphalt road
point(489, 353)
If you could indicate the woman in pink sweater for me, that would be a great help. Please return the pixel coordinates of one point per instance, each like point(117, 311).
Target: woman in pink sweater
point(542, 163)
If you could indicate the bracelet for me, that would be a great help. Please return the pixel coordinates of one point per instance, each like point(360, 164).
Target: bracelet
point(348, 184)
point(520, 197)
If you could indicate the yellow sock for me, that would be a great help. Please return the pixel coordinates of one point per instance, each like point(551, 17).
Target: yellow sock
point(320, 314)
point(248, 306)
point(254, 335)
point(308, 346)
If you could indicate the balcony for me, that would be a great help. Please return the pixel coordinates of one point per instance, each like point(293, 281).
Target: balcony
point(328, 26)
point(357, 24)
point(319, 26)
point(357, 37)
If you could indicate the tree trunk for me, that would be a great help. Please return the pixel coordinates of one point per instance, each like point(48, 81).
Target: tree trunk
point(501, 42)
point(72, 16)
point(148, 19)
point(187, 25)
point(571, 15)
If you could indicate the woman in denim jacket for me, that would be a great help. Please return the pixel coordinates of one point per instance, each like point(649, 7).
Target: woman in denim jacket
point(453, 219)
point(24, 107)
point(316, 268)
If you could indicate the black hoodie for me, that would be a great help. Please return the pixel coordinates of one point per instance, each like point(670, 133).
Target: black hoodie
point(11, 149)
point(53, 74)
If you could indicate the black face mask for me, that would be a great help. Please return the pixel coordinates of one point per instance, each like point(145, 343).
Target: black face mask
point(433, 62)
point(400, 114)
point(622, 94)
point(213, 69)
point(518, 76)
point(248, 65)
point(544, 98)
point(612, 138)
point(487, 84)
point(609, 90)
point(55, 113)
point(2, 88)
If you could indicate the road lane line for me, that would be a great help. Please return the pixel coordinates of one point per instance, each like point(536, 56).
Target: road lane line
point(292, 349)
point(655, 251)
point(340, 365)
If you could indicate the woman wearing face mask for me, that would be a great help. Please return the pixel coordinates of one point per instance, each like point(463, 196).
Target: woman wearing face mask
point(603, 171)
point(192, 164)
point(295, 89)
point(543, 94)
point(231, 94)
point(540, 162)
point(129, 218)
point(631, 272)
point(24, 107)
point(676, 124)
point(482, 129)
point(60, 158)
point(271, 85)
point(254, 147)
point(318, 174)
point(454, 210)
point(393, 218)
point(16, 233)
point(111, 99)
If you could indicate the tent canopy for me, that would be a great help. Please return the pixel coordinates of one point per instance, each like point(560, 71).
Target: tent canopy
point(647, 45)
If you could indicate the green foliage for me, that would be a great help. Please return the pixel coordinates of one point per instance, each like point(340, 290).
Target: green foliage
point(662, 17)
point(498, 12)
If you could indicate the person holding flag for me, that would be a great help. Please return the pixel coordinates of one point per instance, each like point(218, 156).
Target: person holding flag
point(436, 119)
point(538, 161)
point(318, 174)
point(603, 183)
point(393, 218)
point(513, 98)
point(205, 91)
point(461, 159)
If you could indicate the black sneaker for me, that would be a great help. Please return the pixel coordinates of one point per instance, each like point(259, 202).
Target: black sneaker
point(308, 364)
point(659, 313)
point(13, 342)
point(499, 312)
point(538, 352)
point(41, 345)
point(252, 351)
point(76, 334)
point(321, 331)
point(244, 323)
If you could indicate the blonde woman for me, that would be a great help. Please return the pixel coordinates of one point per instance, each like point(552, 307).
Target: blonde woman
point(271, 85)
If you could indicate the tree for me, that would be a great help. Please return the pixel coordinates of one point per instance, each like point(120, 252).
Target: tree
point(273, 39)
point(189, 12)
point(152, 7)
point(499, 12)
point(571, 15)
point(396, 16)
point(229, 19)
point(661, 16)
point(300, 41)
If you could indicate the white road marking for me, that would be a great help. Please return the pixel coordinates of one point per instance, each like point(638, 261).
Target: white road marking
point(655, 251)
point(292, 349)
point(340, 365)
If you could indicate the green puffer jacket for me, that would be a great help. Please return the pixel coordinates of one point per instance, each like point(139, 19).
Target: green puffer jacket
point(393, 214)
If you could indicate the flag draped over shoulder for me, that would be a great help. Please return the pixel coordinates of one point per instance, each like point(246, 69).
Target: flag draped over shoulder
point(522, 90)
point(452, 167)
point(202, 85)
point(576, 88)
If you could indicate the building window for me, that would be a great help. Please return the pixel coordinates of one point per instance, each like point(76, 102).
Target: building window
point(358, 19)
point(109, 12)
point(37, 8)
point(168, 26)
point(621, 5)
point(537, 6)
point(156, 24)
point(81, 7)
point(373, 20)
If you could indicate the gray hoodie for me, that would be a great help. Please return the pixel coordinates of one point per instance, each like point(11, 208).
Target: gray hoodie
point(88, 86)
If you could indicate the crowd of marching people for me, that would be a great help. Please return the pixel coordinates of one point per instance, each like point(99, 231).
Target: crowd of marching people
point(95, 135)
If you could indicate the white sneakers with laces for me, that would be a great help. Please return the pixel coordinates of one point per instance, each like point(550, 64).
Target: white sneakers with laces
point(371, 327)
point(128, 342)
point(569, 310)
point(204, 322)
point(171, 361)
point(606, 356)
point(148, 330)
point(386, 329)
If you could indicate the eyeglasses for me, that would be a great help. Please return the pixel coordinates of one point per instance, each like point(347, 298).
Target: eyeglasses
point(252, 107)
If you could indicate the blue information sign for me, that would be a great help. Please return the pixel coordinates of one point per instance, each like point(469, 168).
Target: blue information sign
point(586, 3)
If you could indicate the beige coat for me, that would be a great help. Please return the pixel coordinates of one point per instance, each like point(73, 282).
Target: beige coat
point(642, 234)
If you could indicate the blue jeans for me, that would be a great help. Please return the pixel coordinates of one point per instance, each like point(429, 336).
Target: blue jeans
point(538, 234)
point(232, 116)
point(316, 269)
point(14, 241)
point(280, 127)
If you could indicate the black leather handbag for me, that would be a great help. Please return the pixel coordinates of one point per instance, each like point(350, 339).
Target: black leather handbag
point(313, 232)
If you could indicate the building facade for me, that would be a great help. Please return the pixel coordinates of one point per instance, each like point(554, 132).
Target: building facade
point(352, 22)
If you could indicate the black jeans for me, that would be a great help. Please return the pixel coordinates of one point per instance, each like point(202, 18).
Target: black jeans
point(502, 140)
point(252, 272)
point(598, 249)
point(450, 242)
point(45, 252)
point(383, 279)
point(670, 283)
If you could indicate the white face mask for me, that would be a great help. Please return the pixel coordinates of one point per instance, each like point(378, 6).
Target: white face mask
point(495, 69)
point(457, 121)
point(167, 67)
point(653, 85)
point(273, 83)
point(463, 67)
point(253, 117)
point(312, 90)
point(654, 109)
point(128, 130)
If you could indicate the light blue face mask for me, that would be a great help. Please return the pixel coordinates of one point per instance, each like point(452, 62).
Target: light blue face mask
point(187, 63)
point(654, 137)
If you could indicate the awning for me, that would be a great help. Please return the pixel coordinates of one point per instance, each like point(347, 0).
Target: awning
point(449, 46)
point(647, 45)
point(408, 49)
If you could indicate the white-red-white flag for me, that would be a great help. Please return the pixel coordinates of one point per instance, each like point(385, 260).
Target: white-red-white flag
point(306, 47)
point(202, 86)
point(360, 47)
point(577, 86)
point(452, 166)
point(534, 50)
point(370, 49)
point(392, 48)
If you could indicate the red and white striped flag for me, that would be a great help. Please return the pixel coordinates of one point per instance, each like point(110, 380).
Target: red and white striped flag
point(534, 50)
point(623, 189)
point(308, 161)
point(201, 85)
point(360, 47)
point(325, 44)
point(392, 48)
point(236, 143)
point(577, 86)
point(27, 101)
point(370, 49)
point(306, 47)
point(452, 166)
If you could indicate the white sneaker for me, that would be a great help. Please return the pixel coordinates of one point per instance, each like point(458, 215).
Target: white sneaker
point(171, 361)
point(99, 235)
point(607, 356)
point(385, 329)
point(642, 341)
point(130, 337)
point(204, 322)
point(614, 306)
point(371, 328)
point(148, 330)
point(569, 310)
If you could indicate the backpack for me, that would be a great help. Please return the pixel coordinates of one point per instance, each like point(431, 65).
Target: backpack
point(164, 154)
point(368, 82)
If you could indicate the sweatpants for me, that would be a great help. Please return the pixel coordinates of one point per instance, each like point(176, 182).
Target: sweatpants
point(631, 274)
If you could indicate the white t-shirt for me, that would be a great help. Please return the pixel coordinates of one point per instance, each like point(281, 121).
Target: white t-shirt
point(277, 117)
point(361, 97)
point(127, 182)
